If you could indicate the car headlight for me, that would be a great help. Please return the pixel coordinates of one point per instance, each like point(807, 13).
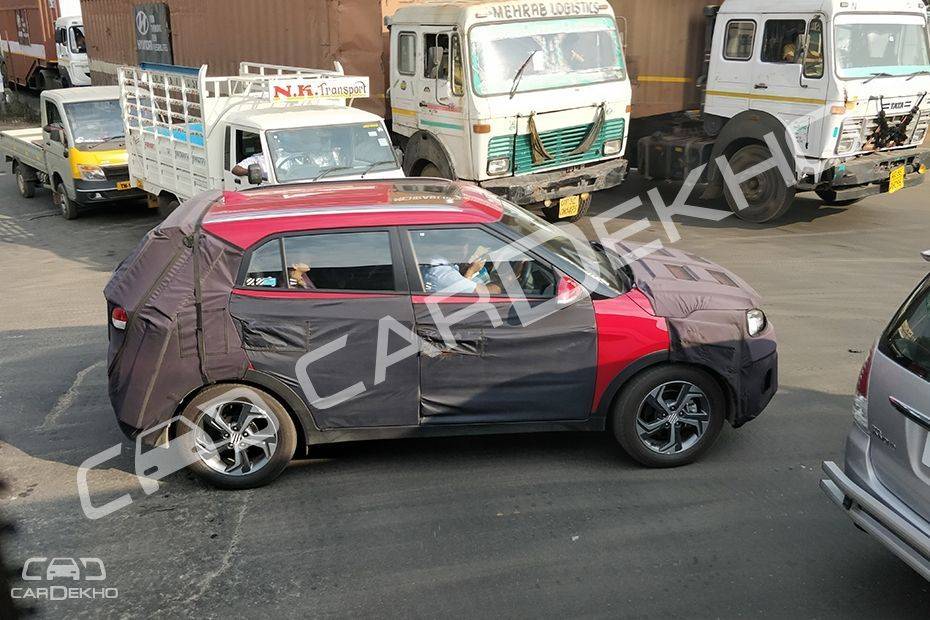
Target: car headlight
point(91, 173)
point(755, 321)
point(499, 165)
point(612, 147)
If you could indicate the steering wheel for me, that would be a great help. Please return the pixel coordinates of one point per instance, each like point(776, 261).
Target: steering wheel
point(300, 159)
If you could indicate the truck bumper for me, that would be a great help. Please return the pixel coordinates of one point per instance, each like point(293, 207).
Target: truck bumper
point(532, 188)
point(94, 192)
point(875, 509)
point(868, 175)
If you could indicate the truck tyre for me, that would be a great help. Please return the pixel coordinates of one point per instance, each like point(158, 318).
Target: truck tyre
point(551, 214)
point(432, 170)
point(828, 196)
point(167, 204)
point(766, 194)
point(25, 181)
point(68, 208)
point(668, 415)
point(243, 436)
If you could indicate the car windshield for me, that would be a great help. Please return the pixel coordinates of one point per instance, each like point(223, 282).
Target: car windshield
point(553, 53)
point(907, 341)
point(578, 252)
point(874, 45)
point(94, 122)
point(329, 151)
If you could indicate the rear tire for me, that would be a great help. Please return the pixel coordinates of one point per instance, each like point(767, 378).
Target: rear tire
point(67, 207)
point(828, 196)
point(167, 204)
point(766, 194)
point(25, 184)
point(668, 415)
point(261, 436)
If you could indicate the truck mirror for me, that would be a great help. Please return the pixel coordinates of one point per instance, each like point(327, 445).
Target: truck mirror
point(55, 132)
point(255, 174)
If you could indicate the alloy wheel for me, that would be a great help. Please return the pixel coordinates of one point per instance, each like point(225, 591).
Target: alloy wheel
point(235, 438)
point(673, 417)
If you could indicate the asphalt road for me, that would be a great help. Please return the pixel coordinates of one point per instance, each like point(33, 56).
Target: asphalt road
point(551, 525)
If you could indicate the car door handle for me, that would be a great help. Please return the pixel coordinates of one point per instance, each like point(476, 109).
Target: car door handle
point(909, 412)
point(761, 86)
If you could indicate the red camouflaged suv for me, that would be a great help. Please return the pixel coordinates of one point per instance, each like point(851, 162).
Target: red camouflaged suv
point(260, 323)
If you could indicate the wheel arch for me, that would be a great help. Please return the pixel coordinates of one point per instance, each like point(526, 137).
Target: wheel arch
point(748, 127)
point(422, 148)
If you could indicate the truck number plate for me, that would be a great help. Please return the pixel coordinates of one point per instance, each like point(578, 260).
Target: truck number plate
point(896, 179)
point(121, 185)
point(569, 206)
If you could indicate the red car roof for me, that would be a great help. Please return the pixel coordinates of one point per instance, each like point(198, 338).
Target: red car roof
point(242, 218)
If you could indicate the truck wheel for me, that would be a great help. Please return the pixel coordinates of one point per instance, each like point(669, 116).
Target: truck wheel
point(68, 208)
point(668, 415)
point(431, 170)
point(26, 185)
point(242, 436)
point(551, 214)
point(766, 194)
point(167, 204)
point(828, 196)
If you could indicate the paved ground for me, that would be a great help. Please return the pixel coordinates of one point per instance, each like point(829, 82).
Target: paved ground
point(552, 525)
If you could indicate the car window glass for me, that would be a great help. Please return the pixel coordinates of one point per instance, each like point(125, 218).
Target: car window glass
point(781, 41)
point(359, 261)
point(247, 144)
point(407, 53)
point(813, 55)
point(437, 56)
point(739, 40)
point(471, 261)
point(907, 341)
point(265, 267)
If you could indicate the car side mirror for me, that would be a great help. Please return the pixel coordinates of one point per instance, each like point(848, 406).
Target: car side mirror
point(255, 174)
point(54, 130)
point(926, 255)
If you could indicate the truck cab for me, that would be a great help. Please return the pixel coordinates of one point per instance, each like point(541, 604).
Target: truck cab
point(71, 49)
point(841, 86)
point(268, 125)
point(528, 100)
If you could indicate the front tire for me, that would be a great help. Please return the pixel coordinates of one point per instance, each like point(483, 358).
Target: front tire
point(243, 436)
point(669, 415)
point(67, 207)
point(167, 204)
point(767, 197)
point(828, 196)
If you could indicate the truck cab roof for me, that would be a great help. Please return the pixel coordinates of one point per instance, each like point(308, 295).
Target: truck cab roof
point(460, 11)
point(82, 93)
point(271, 118)
point(828, 7)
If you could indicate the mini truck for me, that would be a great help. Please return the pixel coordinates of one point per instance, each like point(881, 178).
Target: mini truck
point(79, 151)
point(188, 133)
point(529, 100)
point(840, 85)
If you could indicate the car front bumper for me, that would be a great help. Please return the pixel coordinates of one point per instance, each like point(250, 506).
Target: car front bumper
point(868, 175)
point(93, 192)
point(528, 189)
point(874, 508)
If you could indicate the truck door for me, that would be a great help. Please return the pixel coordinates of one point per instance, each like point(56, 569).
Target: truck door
point(788, 80)
point(57, 145)
point(729, 78)
point(61, 46)
point(406, 58)
point(441, 89)
point(242, 147)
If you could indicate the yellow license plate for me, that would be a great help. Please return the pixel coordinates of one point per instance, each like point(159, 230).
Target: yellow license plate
point(569, 206)
point(121, 185)
point(896, 179)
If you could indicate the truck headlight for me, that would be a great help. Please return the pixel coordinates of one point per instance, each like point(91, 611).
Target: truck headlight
point(499, 165)
point(91, 173)
point(755, 321)
point(612, 147)
point(850, 136)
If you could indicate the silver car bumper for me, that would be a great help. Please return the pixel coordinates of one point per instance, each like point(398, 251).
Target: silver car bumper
point(874, 509)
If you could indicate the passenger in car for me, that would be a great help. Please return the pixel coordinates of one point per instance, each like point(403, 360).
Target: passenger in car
point(299, 276)
point(443, 277)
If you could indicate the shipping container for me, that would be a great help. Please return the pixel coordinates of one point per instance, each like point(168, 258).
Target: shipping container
point(27, 39)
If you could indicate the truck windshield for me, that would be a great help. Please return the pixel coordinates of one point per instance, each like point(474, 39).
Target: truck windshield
point(880, 45)
point(556, 53)
point(94, 122)
point(309, 153)
point(577, 252)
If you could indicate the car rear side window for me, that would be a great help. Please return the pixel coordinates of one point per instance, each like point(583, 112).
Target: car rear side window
point(907, 340)
point(265, 267)
point(355, 261)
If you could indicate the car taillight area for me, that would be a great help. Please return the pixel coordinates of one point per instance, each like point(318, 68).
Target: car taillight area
point(861, 399)
point(119, 317)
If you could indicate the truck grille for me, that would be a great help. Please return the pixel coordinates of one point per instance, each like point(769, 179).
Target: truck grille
point(558, 142)
point(116, 173)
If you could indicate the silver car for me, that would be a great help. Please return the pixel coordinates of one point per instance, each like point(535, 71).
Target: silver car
point(885, 484)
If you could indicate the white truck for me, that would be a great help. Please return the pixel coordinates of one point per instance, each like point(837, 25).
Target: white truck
point(529, 100)
point(78, 152)
point(841, 86)
point(187, 132)
point(71, 49)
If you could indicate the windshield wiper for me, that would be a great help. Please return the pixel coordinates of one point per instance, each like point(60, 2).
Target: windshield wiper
point(516, 78)
point(877, 75)
point(378, 163)
point(326, 171)
point(911, 76)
